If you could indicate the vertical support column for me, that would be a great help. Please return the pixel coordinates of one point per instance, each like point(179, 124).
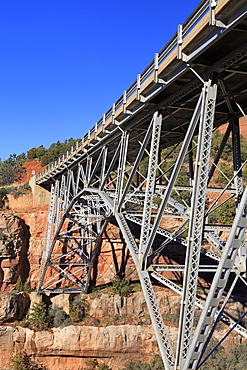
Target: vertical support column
point(191, 168)
point(137, 161)
point(78, 177)
point(188, 137)
point(237, 158)
point(238, 181)
point(103, 166)
point(154, 311)
point(196, 222)
point(150, 185)
point(88, 170)
point(218, 285)
point(121, 167)
point(62, 191)
point(67, 191)
point(49, 230)
point(58, 205)
point(157, 321)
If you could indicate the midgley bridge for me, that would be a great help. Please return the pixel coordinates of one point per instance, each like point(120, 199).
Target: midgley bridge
point(129, 165)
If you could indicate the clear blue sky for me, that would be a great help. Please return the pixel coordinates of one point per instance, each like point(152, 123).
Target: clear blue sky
point(64, 63)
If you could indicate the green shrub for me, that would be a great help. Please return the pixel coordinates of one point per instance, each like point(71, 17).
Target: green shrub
point(37, 315)
point(103, 367)
point(121, 286)
point(57, 317)
point(21, 361)
point(92, 364)
point(76, 310)
point(156, 363)
point(24, 323)
point(22, 287)
point(226, 212)
point(3, 193)
point(174, 318)
point(136, 287)
point(96, 321)
point(96, 292)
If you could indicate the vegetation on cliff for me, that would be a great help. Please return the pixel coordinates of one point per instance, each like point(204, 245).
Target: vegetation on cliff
point(56, 150)
point(21, 361)
point(11, 169)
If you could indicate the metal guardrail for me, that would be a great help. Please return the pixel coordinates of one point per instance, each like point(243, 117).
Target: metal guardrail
point(204, 7)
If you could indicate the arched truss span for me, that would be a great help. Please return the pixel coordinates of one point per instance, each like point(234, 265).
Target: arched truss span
point(75, 225)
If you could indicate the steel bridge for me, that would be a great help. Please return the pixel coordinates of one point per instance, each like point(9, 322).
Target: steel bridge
point(150, 158)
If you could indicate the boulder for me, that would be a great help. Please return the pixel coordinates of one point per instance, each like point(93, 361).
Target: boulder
point(13, 306)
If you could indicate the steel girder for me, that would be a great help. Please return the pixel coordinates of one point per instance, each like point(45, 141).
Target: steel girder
point(147, 193)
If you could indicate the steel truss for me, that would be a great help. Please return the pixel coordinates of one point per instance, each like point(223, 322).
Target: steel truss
point(153, 171)
point(146, 192)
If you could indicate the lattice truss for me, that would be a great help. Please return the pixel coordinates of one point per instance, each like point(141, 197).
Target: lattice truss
point(166, 192)
point(75, 223)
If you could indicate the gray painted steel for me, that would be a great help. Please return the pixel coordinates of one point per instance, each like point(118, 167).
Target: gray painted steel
point(128, 168)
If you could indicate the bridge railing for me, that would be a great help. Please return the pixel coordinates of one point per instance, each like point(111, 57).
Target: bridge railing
point(204, 7)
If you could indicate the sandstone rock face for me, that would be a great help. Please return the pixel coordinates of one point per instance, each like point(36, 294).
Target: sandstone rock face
point(32, 210)
point(133, 306)
point(14, 237)
point(69, 348)
point(13, 306)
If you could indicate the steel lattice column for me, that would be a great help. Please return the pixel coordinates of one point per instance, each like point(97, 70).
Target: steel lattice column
point(196, 220)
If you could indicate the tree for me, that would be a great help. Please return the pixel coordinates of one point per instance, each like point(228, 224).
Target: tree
point(226, 212)
point(22, 287)
point(32, 153)
point(121, 286)
point(3, 193)
point(21, 361)
point(21, 157)
point(227, 171)
point(237, 358)
point(57, 317)
point(76, 310)
point(37, 315)
point(10, 170)
point(40, 151)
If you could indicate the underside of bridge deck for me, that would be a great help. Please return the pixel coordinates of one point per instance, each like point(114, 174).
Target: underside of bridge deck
point(151, 159)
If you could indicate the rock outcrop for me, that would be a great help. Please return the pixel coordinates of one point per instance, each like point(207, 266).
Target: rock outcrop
point(13, 306)
point(14, 236)
point(70, 347)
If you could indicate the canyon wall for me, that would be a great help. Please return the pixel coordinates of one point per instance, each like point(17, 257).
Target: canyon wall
point(130, 338)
